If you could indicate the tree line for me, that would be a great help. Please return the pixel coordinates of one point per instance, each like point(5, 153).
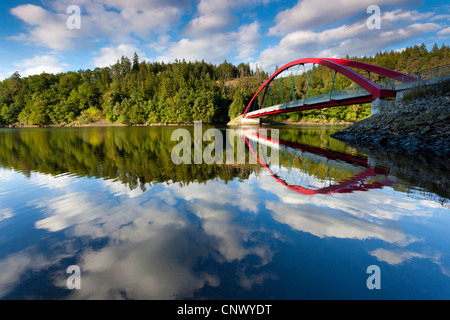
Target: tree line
point(138, 92)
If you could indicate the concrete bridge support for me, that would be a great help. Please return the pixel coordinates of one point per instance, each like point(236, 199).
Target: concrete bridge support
point(386, 105)
point(382, 105)
point(244, 121)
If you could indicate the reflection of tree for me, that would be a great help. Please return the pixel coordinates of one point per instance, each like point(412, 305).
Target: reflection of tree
point(413, 171)
point(317, 142)
point(133, 155)
point(139, 155)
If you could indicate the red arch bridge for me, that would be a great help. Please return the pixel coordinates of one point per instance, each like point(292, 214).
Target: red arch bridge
point(280, 93)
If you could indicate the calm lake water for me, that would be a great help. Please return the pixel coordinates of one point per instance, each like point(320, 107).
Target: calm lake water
point(112, 202)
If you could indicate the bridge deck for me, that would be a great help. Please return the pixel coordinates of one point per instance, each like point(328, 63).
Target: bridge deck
point(320, 101)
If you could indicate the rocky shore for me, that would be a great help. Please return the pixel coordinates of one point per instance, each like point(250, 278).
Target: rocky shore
point(419, 125)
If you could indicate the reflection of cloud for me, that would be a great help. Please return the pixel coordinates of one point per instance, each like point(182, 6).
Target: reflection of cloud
point(152, 246)
point(10, 270)
point(241, 195)
point(249, 281)
point(219, 222)
point(40, 64)
point(115, 20)
point(373, 204)
point(118, 189)
point(146, 260)
point(395, 257)
point(70, 209)
point(150, 253)
point(313, 220)
point(7, 175)
point(373, 214)
point(5, 213)
point(155, 243)
point(213, 203)
point(52, 182)
point(15, 265)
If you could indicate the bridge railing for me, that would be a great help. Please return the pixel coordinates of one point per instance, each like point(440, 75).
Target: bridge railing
point(437, 72)
point(426, 74)
point(337, 94)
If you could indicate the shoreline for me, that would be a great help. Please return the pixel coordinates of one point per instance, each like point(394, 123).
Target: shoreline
point(104, 123)
point(96, 124)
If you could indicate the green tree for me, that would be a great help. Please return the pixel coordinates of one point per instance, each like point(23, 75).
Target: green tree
point(38, 113)
point(237, 106)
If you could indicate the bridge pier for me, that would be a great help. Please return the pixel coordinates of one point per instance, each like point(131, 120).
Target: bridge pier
point(386, 105)
point(244, 121)
point(382, 105)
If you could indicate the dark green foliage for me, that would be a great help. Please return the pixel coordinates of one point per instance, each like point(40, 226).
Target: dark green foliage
point(131, 91)
point(135, 156)
point(128, 92)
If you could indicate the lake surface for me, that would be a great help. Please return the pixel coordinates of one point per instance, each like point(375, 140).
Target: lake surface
point(308, 226)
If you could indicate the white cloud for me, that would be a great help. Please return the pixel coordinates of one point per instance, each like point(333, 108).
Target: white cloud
point(208, 24)
point(400, 49)
point(399, 14)
point(444, 32)
point(116, 21)
point(247, 42)
point(119, 189)
point(109, 55)
point(240, 46)
point(315, 14)
point(215, 50)
point(47, 28)
point(40, 64)
point(353, 39)
point(214, 34)
point(4, 76)
point(11, 268)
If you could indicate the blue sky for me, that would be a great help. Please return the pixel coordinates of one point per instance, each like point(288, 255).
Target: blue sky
point(35, 37)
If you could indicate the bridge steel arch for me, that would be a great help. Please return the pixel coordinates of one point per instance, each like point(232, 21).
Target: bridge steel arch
point(343, 66)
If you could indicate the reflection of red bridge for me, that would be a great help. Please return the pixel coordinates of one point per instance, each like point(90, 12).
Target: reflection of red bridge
point(356, 183)
point(270, 99)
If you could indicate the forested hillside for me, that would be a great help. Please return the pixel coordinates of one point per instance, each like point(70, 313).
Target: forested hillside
point(135, 92)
